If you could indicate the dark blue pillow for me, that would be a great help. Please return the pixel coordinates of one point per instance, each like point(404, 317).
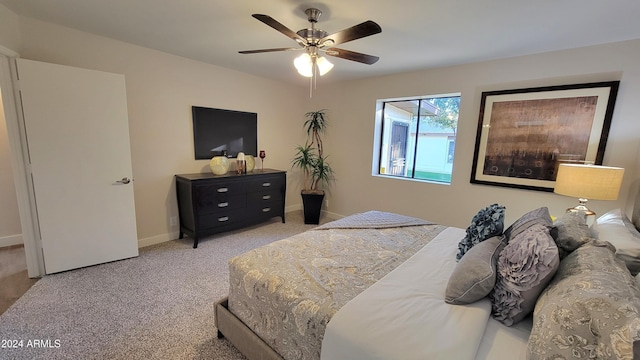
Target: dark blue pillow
point(487, 223)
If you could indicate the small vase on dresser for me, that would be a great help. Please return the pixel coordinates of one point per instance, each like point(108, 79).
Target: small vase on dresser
point(219, 165)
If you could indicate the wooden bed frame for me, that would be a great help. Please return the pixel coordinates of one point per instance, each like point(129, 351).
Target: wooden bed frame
point(243, 338)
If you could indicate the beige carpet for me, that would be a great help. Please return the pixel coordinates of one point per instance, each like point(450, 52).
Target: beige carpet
point(159, 305)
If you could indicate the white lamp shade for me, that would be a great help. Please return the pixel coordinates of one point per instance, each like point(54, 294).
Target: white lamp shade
point(324, 66)
point(589, 181)
point(304, 65)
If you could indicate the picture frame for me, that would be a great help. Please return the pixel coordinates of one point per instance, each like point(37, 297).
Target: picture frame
point(524, 134)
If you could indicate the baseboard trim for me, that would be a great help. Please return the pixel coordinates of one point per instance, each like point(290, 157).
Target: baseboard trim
point(158, 239)
point(291, 208)
point(11, 240)
point(332, 215)
point(324, 212)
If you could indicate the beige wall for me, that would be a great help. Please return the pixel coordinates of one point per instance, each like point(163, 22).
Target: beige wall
point(9, 29)
point(10, 230)
point(350, 137)
point(161, 89)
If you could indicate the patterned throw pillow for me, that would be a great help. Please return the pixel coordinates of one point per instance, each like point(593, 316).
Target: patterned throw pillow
point(591, 309)
point(487, 223)
point(525, 267)
point(572, 232)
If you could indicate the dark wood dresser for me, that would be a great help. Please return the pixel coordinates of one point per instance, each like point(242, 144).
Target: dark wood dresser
point(210, 204)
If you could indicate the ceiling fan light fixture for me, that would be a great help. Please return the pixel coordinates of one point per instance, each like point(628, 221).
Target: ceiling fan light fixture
point(313, 41)
point(324, 66)
point(304, 65)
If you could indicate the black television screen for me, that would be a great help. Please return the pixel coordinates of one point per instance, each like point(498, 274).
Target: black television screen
point(217, 130)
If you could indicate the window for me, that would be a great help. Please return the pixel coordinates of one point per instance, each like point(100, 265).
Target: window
point(417, 137)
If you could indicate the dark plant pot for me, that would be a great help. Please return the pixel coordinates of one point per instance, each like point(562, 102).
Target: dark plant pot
point(312, 204)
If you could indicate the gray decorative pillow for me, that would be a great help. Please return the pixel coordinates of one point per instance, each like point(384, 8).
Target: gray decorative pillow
point(616, 228)
point(486, 223)
point(537, 216)
point(525, 267)
point(475, 274)
point(591, 309)
point(572, 232)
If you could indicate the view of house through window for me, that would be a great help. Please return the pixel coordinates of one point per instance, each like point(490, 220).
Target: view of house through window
point(418, 137)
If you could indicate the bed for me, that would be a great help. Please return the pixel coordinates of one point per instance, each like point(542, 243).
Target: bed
point(377, 285)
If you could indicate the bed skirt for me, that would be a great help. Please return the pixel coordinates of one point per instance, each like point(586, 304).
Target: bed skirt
point(245, 340)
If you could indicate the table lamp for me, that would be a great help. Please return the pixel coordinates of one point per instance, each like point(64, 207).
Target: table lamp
point(588, 182)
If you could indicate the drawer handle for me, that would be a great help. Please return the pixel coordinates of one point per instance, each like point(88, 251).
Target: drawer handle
point(266, 197)
point(223, 219)
point(266, 184)
point(266, 209)
point(224, 204)
point(223, 189)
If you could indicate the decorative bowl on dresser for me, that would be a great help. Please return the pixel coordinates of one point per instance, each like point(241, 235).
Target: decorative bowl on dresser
point(209, 204)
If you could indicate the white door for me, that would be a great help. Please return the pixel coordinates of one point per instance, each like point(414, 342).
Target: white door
point(78, 139)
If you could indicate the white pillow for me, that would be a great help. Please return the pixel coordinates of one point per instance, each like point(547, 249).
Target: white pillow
point(616, 228)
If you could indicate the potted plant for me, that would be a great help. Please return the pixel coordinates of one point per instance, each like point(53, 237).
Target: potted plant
point(316, 170)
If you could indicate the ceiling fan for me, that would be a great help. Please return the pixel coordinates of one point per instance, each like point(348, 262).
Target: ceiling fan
point(315, 41)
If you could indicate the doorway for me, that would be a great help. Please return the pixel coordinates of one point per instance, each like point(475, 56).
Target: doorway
point(78, 154)
point(14, 278)
point(17, 150)
point(398, 150)
point(10, 228)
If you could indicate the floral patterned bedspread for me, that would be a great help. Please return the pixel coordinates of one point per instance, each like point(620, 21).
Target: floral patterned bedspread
point(287, 291)
point(590, 310)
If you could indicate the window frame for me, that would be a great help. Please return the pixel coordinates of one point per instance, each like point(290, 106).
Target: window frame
point(379, 145)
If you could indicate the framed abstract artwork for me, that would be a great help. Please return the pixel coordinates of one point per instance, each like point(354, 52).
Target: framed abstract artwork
point(523, 134)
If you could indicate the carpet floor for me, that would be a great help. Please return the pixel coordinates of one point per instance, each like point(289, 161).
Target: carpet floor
point(159, 305)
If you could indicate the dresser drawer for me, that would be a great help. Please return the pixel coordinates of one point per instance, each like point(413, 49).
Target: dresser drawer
point(265, 209)
point(221, 219)
point(208, 195)
point(215, 188)
point(268, 183)
point(221, 203)
point(264, 197)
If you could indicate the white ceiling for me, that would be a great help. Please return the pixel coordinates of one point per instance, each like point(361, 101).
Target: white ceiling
point(416, 34)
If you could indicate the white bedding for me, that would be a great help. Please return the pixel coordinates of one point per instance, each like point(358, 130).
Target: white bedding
point(287, 291)
point(505, 343)
point(404, 316)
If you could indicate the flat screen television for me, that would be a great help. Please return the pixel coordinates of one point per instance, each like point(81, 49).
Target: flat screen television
point(218, 131)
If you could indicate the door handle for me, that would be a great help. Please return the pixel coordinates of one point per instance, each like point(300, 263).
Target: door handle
point(124, 180)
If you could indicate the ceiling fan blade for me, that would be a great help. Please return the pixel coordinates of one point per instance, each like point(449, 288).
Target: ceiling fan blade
point(352, 55)
point(364, 29)
point(266, 50)
point(281, 28)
